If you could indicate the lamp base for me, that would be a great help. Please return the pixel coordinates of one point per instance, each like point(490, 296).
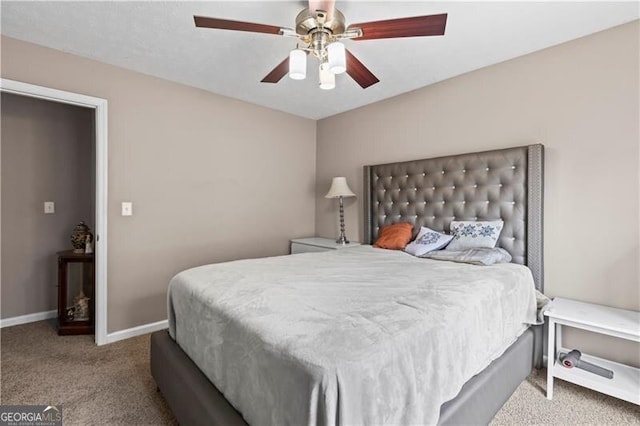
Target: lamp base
point(342, 240)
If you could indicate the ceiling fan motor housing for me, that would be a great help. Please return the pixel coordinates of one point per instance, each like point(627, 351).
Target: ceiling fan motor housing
point(308, 22)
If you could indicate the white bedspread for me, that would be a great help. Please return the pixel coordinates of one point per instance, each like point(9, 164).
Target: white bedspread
point(347, 337)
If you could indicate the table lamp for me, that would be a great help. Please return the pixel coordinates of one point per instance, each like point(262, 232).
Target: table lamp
point(339, 189)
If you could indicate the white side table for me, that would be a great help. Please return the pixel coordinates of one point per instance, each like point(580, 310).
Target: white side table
point(621, 323)
point(317, 244)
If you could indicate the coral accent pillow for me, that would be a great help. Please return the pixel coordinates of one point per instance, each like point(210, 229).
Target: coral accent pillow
point(394, 237)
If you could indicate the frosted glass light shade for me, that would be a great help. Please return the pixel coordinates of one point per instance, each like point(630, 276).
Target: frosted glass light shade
point(339, 188)
point(327, 78)
point(297, 64)
point(337, 58)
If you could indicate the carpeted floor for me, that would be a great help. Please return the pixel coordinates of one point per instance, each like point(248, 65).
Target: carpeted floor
point(112, 384)
point(96, 385)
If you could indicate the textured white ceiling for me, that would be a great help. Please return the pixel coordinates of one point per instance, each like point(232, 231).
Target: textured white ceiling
point(159, 38)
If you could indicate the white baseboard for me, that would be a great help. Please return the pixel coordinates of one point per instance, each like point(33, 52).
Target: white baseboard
point(136, 331)
point(25, 319)
point(111, 337)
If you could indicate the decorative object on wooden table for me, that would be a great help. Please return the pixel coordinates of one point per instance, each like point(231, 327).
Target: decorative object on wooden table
point(79, 237)
point(88, 245)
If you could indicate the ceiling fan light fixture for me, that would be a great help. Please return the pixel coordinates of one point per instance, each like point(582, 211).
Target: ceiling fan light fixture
point(327, 78)
point(337, 58)
point(297, 64)
point(319, 29)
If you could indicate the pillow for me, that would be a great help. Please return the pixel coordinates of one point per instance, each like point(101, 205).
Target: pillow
point(476, 256)
point(394, 237)
point(427, 240)
point(471, 234)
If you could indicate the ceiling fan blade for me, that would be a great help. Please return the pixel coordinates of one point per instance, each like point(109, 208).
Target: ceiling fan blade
point(326, 5)
point(277, 73)
point(226, 24)
point(416, 26)
point(359, 72)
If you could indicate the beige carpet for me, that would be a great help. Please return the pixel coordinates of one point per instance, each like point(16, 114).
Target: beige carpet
point(96, 385)
point(112, 384)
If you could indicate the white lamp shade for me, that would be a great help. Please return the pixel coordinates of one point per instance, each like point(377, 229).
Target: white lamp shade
point(339, 188)
point(297, 64)
point(327, 78)
point(337, 58)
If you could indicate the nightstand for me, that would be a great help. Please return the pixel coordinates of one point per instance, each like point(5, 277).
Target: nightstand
point(76, 290)
point(317, 244)
point(620, 323)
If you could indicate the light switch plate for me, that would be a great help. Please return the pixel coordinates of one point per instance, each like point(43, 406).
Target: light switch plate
point(127, 208)
point(49, 207)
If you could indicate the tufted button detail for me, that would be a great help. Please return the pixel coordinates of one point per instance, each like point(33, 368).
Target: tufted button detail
point(500, 185)
point(464, 202)
point(433, 188)
point(487, 169)
point(464, 170)
point(424, 174)
point(443, 172)
point(443, 201)
point(453, 187)
point(475, 185)
point(513, 167)
point(513, 202)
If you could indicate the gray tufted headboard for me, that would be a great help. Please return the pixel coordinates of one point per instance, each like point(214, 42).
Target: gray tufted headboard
point(503, 184)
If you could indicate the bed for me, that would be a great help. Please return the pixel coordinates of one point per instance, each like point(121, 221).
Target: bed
point(505, 184)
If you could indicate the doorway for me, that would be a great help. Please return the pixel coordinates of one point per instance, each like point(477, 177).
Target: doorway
point(99, 108)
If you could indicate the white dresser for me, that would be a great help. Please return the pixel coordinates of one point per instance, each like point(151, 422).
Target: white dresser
point(316, 244)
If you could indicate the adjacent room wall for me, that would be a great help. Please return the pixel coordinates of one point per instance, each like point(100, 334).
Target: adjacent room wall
point(580, 99)
point(46, 156)
point(211, 178)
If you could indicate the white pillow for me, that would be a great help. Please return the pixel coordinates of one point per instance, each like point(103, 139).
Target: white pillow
point(427, 241)
point(472, 234)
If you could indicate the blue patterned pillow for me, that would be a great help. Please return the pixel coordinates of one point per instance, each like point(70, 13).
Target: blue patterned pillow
point(427, 241)
point(472, 234)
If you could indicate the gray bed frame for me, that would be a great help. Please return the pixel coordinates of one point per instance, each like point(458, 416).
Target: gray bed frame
point(502, 184)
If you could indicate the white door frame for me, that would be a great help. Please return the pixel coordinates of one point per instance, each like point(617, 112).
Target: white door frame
point(100, 107)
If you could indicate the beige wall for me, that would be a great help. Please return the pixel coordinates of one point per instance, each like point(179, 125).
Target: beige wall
point(46, 156)
point(210, 178)
point(581, 100)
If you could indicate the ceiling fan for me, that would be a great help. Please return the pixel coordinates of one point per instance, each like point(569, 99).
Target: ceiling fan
point(320, 29)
